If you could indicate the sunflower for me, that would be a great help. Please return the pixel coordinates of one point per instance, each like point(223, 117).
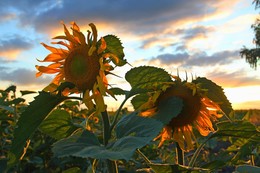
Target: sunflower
point(198, 112)
point(82, 62)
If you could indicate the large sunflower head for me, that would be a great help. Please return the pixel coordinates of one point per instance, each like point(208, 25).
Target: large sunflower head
point(79, 63)
point(84, 62)
point(198, 112)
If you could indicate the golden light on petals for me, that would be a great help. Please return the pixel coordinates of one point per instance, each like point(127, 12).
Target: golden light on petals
point(198, 112)
point(81, 63)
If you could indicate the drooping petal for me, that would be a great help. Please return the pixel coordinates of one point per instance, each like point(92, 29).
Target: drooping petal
point(187, 130)
point(178, 137)
point(165, 135)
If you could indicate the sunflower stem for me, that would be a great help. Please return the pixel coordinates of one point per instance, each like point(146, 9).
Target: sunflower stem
point(143, 156)
point(179, 155)
point(106, 127)
point(197, 152)
point(117, 114)
point(111, 165)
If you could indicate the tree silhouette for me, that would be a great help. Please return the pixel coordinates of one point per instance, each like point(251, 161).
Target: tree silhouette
point(253, 55)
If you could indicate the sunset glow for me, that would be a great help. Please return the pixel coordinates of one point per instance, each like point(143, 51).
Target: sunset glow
point(203, 40)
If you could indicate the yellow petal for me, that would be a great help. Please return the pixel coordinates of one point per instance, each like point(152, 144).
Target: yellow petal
point(47, 70)
point(53, 49)
point(53, 57)
point(38, 74)
point(178, 137)
point(186, 130)
point(103, 46)
point(165, 135)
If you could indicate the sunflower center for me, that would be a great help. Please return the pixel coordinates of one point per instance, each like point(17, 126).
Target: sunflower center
point(191, 105)
point(78, 66)
point(81, 69)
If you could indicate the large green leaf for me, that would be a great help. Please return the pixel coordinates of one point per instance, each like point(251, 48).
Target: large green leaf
point(215, 93)
point(115, 48)
point(147, 77)
point(168, 109)
point(31, 118)
point(247, 169)
point(238, 129)
point(58, 124)
point(138, 126)
point(169, 168)
point(132, 132)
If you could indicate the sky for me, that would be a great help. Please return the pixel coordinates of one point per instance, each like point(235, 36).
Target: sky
point(201, 38)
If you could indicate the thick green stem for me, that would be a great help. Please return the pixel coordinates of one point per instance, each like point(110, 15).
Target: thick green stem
point(106, 127)
point(111, 165)
point(117, 114)
point(179, 155)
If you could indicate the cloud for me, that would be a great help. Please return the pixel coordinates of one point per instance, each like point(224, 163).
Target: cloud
point(195, 32)
point(197, 59)
point(138, 17)
point(22, 76)
point(218, 58)
point(12, 46)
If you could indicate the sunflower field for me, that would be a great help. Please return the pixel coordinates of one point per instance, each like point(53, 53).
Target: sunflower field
point(176, 125)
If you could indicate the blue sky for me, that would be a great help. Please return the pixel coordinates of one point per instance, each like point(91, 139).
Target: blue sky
point(200, 37)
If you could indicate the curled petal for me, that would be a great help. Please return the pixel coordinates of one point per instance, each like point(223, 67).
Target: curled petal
point(103, 46)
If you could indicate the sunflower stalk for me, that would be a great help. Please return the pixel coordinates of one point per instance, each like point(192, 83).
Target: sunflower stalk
point(117, 114)
point(179, 155)
point(112, 166)
point(197, 152)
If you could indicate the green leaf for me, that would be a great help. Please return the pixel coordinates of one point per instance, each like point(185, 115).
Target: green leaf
point(118, 91)
point(168, 109)
point(138, 126)
point(215, 93)
point(248, 168)
point(239, 129)
point(169, 168)
point(214, 164)
point(72, 170)
point(58, 124)
point(11, 88)
point(132, 132)
point(25, 92)
point(114, 47)
point(147, 77)
point(139, 100)
point(31, 118)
